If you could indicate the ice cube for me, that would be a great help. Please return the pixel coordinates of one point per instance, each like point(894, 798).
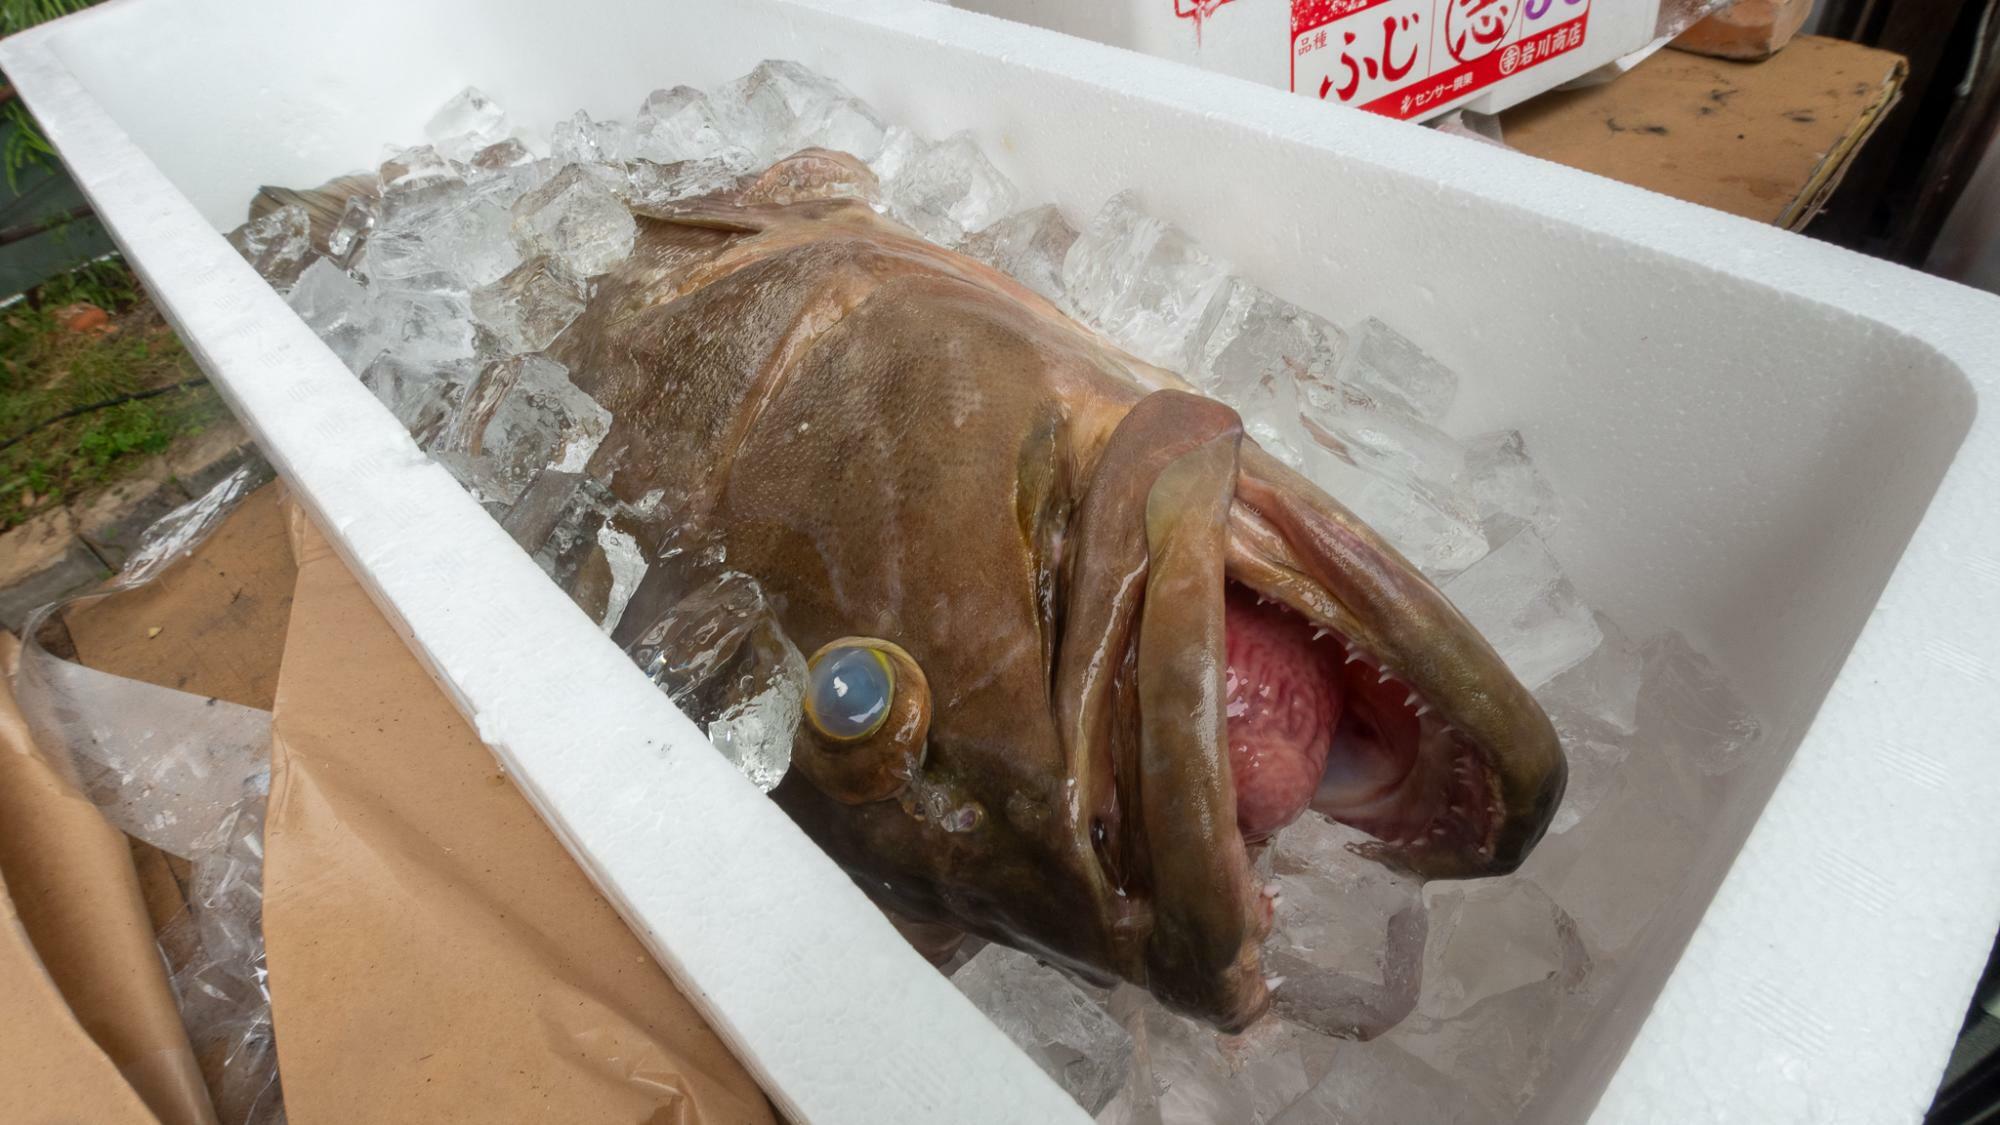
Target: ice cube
point(756, 733)
point(424, 319)
point(391, 255)
point(421, 397)
point(721, 656)
point(1254, 335)
point(682, 124)
point(1506, 488)
point(1594, 771)
point(523, 415)
point(628, 567)
point(558, 518)
point(1184, 1073)
point(528, 308)
point(1257, 351)
point(1602, 690)
point(949, 189)
point(410, 168)
point(1520, 600)
point(1494, 936)
point(474, 242)
point(418, 184)
point(1631, 854)
point(781, 107)
point(1379, 1083)
point(467, 123)
point(1142, 282)
point(1059, 1025)
point(350, 235)
point(336, 308)
point(277, 245)
point(1500, 1050)
point(543, 505)
point(575, 219)
point(1384, 366)
point(846, 125)
point(1419, 519)
point(1382, 437)
point(654, 189)
point(504, 186)
point(502, 155)
point(900, 149)
point(1027, 246)
point(581, 140)
point(1349, 933)
point(1280, 1061)
point(1687, 709)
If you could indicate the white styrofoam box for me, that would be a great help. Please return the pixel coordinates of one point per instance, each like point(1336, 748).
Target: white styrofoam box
point(1409, 59)
point(1770, 444)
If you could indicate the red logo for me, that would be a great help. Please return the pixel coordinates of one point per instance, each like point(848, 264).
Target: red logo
point(1473, 28)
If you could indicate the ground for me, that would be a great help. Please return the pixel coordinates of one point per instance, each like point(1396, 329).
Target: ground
point(105, 424)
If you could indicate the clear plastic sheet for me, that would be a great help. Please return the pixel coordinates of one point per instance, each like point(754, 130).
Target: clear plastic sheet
point(190, 776)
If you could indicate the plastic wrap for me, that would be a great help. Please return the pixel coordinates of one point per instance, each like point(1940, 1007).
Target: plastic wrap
point(189, 775)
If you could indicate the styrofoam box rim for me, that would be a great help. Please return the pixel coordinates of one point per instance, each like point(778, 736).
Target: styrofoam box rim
point(838, 1018)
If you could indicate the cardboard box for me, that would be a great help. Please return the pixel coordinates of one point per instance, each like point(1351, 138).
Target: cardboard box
point(1773, 445)
point(1408, 59)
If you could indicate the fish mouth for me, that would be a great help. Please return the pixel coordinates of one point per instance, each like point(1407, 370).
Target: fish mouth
point(1319, 721)
point(1240, 649)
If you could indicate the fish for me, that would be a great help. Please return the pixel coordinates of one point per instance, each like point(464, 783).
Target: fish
point(1079, 645)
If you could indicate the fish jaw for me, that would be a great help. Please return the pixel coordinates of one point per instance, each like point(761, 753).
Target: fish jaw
point(1204, 953)
point(1440, 753)
point(1242, 580)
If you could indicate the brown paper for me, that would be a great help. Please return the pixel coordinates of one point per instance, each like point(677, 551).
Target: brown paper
point(434, 953)
point(78, 905)
point(213, 623)
point(50, 1070)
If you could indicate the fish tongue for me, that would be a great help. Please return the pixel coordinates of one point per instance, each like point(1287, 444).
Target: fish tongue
point(1284, 699)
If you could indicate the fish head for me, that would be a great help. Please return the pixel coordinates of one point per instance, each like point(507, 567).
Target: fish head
point(1078, 646)
point(1229, 649)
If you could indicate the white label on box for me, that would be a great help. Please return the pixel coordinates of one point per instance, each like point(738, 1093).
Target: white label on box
point(1408, 58)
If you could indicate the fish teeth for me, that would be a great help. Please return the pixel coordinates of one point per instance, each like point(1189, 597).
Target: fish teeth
point(1423, 709)
point(1438, 831)
point(1411, 700)
point(1318, 633)
point(1385, 677)
point(1456, 809)
point(1353, 655)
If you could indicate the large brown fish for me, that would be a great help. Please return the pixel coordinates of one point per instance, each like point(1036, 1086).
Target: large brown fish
point(1079, 643)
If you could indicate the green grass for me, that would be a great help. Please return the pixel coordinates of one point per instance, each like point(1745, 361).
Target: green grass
point(25, 144)
point(46, 370)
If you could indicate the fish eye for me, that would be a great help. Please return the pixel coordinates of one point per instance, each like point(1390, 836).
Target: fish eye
point(849, 690)
point(867, 720)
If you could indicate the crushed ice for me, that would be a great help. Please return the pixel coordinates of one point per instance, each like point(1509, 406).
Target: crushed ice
point(469, 254)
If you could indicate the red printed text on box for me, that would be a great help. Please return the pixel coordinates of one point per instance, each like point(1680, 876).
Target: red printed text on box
point(1407, 58)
